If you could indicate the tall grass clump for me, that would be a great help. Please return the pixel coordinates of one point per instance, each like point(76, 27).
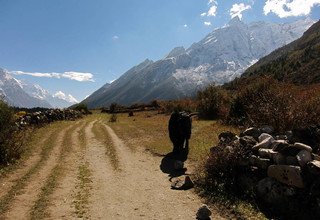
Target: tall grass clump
point(10, 138)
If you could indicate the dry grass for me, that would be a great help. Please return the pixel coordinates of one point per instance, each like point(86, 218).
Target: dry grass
point(39, 210)
point(149, 130)
point(81, 201)
point(101, 134)
point(47, 147)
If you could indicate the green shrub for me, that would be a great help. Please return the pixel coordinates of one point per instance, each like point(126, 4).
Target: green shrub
point(187, 105)
point(82, 108)
point(114, 108)
point(113, 118)
point(213, 102)
point(10, 140)
point(222, 170)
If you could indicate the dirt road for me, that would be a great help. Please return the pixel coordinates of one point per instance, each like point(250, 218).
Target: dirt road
point(84, 170)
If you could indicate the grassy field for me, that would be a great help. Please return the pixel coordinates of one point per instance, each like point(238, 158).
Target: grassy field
point(150, 131)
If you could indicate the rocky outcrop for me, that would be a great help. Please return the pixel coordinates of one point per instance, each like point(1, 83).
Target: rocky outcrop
point(279, 169)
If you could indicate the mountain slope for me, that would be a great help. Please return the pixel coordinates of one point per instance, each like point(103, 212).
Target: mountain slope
point(220, 57)
point(24, 94)
point(12, 92)
point(297, 62)
point(58, 100)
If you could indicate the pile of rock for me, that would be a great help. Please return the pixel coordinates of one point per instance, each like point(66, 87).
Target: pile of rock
point(48, 116)
point(284, 167)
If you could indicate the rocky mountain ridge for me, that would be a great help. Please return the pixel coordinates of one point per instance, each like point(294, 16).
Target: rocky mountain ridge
point(297, 62)
point(220, 57)
point(20, 93)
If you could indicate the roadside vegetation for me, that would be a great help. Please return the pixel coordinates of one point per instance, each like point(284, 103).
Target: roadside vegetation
point(39, 210)
point(46, 148)
point(11, 140)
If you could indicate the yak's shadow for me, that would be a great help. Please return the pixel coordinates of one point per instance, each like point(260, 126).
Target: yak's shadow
point(168, 161)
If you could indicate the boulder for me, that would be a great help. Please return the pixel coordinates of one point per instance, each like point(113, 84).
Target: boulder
point(290, 160)
point(274, 193)
point(314, 167)
point(182, 184)
point(304, 157)
point(302, 146)
point(253, 132)
point(290, 151)
point(267, 129)
point(290, 175)
point(266, 153)
point(261, 163)
point(265, 143)
point(279, 145)
point(279, 158)
point(247, 141)
point(204, 212)
point(264, 136)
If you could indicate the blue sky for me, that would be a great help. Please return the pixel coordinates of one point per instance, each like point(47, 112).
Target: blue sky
point(76, 46)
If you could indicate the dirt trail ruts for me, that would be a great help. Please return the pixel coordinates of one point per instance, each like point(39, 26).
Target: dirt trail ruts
point(102, 174)
point(9, 180)
point(62, 199)
point(22, 204)
point(139, 190)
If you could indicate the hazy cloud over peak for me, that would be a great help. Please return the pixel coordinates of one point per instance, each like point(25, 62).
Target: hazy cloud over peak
point(72, 75)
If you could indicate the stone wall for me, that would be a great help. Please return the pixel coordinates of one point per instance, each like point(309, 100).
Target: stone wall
point(43, 117)
point(281, 169)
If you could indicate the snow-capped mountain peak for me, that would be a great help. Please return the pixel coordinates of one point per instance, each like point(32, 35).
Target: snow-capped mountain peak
point(21, 93)
point(12, 91)
point(69, 98)
point(221, 56)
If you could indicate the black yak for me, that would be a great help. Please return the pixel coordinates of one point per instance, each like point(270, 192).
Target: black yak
point(180, 132)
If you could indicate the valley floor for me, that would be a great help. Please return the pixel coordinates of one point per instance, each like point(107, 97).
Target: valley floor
point(90, 169)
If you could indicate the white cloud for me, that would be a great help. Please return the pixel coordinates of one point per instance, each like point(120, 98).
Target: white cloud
point(286, 8)
point(81, 77)
point(212, 2)
point(207, 23)
point(212, 11)
point(63, 96)
point(72, 75)
point(185, 25)
point(237, 10)
point(115, 37)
